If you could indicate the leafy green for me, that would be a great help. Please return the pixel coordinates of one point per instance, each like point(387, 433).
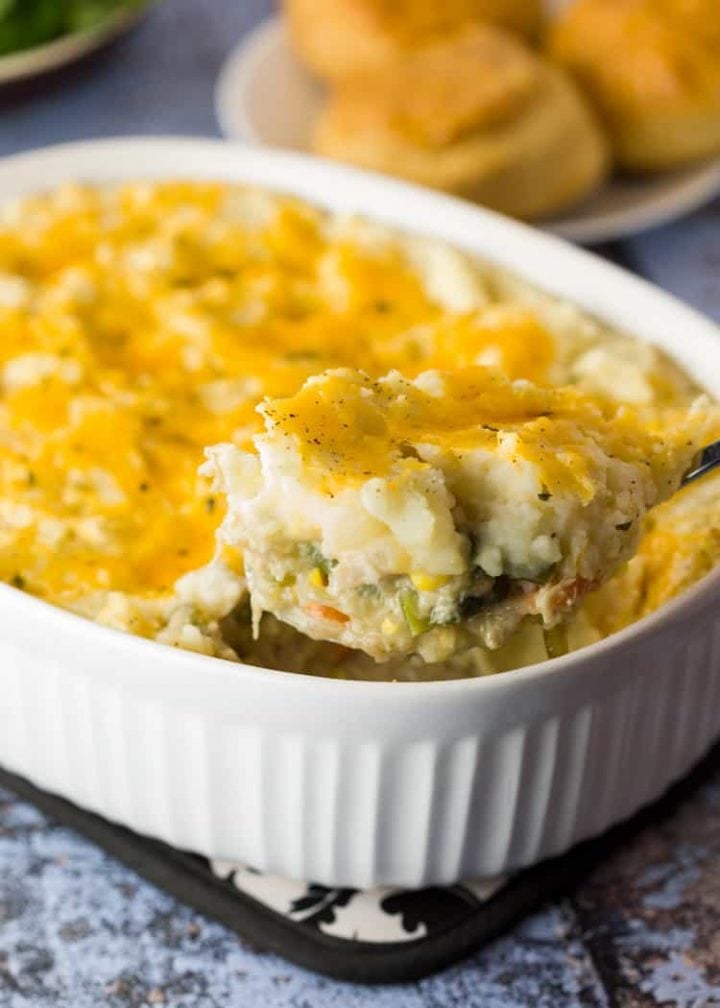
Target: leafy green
point(25, 24)
point(84, 14)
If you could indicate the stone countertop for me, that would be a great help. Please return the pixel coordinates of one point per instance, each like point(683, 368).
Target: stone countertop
point(78, 930)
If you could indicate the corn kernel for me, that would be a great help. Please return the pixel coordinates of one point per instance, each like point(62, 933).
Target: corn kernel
point(389, 627)
point(318, 578)
point(233, 558)
point(428, 582)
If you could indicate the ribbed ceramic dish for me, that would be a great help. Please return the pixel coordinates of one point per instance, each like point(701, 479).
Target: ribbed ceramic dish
point(353, 783)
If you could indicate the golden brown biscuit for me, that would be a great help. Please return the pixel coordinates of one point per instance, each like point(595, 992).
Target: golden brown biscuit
point(475, 114)
point(335, 38)
point(653, 70)
point(699, 17)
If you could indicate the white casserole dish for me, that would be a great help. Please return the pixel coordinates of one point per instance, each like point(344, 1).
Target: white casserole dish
point(364, 783)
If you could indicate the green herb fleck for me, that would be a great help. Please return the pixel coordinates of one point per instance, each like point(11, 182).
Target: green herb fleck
point(316, 558)
point(417, 624)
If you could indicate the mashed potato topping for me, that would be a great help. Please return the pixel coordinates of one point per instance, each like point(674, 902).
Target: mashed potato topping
point(400, 517)
point(145, 322)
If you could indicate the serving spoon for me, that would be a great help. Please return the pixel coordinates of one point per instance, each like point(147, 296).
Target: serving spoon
point(707, 460)
point(556, 643)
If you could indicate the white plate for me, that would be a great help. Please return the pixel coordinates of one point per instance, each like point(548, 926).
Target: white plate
point(53, 55)
point(265, 97)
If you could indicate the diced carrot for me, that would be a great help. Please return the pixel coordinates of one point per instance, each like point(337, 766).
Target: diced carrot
point(327, 612)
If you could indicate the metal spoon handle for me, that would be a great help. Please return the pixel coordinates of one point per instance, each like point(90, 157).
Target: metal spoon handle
point(706, 461)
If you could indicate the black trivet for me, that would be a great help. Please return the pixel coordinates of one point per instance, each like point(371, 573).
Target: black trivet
point(369, 936)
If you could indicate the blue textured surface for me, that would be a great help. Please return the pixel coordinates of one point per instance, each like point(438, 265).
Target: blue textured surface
point(78, 930)
point(684, 258)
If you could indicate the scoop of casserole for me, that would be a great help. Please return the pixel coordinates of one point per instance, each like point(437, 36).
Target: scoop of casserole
point(426, 516)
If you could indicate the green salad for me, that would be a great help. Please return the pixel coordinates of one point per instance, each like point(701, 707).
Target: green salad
point(28, 23)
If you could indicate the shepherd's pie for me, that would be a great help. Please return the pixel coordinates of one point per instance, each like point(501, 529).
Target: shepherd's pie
point(144, 323)
point(400, 517)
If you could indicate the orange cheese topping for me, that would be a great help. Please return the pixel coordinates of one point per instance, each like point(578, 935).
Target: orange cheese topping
point(349, 427)
point(680, 545)
point(143, 323)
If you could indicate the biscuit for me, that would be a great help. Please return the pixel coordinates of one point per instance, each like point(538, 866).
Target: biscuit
point(336, 38)
point(652, 67)
point(475, 114)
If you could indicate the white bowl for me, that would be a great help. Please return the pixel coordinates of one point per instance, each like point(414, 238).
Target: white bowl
point(264, 96)
point(365, 783)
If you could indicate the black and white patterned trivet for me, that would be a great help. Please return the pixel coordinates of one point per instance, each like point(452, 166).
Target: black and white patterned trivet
point(371, 936)
point(379, 916)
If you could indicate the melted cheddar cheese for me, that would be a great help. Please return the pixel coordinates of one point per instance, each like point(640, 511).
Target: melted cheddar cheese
point(349, 427)
point(141, 324)
point(420, 517)
point(144, 322)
